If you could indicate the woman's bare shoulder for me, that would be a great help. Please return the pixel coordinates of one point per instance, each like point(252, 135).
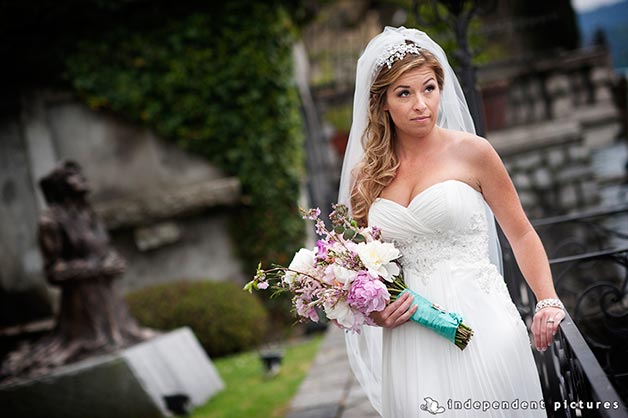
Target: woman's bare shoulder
point(469, 145)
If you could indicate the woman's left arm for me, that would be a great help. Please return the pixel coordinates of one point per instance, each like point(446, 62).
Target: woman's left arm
point(501, 196)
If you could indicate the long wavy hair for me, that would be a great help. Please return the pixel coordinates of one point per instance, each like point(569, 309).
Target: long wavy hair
point(380, 163)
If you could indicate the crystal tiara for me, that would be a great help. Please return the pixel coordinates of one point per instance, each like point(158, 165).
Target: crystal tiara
point(396, 52)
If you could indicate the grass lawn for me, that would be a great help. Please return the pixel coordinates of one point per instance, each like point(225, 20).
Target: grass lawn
point(248, 393)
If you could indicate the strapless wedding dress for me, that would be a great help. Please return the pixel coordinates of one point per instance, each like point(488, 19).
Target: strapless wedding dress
point(443, 237)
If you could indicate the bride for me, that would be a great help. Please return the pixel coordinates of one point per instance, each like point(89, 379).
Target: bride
point(415, 169)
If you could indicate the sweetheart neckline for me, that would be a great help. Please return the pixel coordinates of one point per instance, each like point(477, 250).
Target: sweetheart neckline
point(426, 190)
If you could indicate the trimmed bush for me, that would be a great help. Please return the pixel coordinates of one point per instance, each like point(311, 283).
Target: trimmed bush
point(225, 319)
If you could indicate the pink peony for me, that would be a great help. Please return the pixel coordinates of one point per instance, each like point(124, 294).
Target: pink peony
point(368, 294)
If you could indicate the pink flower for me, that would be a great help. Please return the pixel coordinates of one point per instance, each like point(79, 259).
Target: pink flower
point(312, 214)
point(368, 294)
point(320, 227)
point(376, 233)
point(321, 249)
point(305, 310)
point(262, 285)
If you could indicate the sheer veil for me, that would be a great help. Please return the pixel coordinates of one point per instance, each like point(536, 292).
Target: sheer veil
point(365, 349)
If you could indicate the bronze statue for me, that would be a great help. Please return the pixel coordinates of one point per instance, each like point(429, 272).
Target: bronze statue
point(92, 317)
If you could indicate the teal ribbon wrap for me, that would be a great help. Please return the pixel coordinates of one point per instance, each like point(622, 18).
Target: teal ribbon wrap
point(434, 317)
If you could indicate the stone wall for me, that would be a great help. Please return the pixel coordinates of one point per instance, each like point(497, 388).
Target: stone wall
point(167, 211)
point(550, 166)
point(575, 85)
point(545, 116)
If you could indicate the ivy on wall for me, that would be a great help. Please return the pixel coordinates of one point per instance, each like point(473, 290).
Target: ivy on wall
point(221, 85)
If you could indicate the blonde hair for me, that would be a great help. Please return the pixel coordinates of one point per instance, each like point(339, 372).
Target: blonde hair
point(380, 163)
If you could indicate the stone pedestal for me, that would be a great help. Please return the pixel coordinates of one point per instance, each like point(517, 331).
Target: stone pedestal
point(133, 383)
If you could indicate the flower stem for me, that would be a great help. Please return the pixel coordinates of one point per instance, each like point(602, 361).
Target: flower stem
point(463, 335)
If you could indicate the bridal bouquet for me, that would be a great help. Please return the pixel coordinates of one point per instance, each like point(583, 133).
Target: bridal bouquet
point(349, 274)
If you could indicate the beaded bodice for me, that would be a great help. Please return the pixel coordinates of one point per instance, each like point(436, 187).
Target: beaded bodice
point(446, 223)
point(422, 252)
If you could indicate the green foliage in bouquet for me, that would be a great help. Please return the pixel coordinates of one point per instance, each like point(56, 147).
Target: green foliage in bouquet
point(224, 319)
point(220, 83)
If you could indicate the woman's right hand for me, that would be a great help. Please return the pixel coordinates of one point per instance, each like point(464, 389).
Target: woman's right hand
point(395, 313)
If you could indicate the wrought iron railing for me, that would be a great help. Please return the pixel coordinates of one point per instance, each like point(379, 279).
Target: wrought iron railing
point(583, 232)
point(585, 373)
point(574, 383)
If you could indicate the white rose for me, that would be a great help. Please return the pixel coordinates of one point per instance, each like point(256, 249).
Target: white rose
point(342, 313)
point(377, 257)
point(303, 262)
point(343, 275)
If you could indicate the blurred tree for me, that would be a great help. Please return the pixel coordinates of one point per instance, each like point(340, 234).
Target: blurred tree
point(555, 25)
point(37, 36)
point(421, 14)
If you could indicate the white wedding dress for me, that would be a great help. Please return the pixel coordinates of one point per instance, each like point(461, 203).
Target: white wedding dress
point(443, 237)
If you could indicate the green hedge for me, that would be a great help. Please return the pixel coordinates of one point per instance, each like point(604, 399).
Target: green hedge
point(221, 85)
point(224, 318)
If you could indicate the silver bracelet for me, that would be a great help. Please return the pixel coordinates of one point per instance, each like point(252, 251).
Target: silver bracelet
point(546, 303)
